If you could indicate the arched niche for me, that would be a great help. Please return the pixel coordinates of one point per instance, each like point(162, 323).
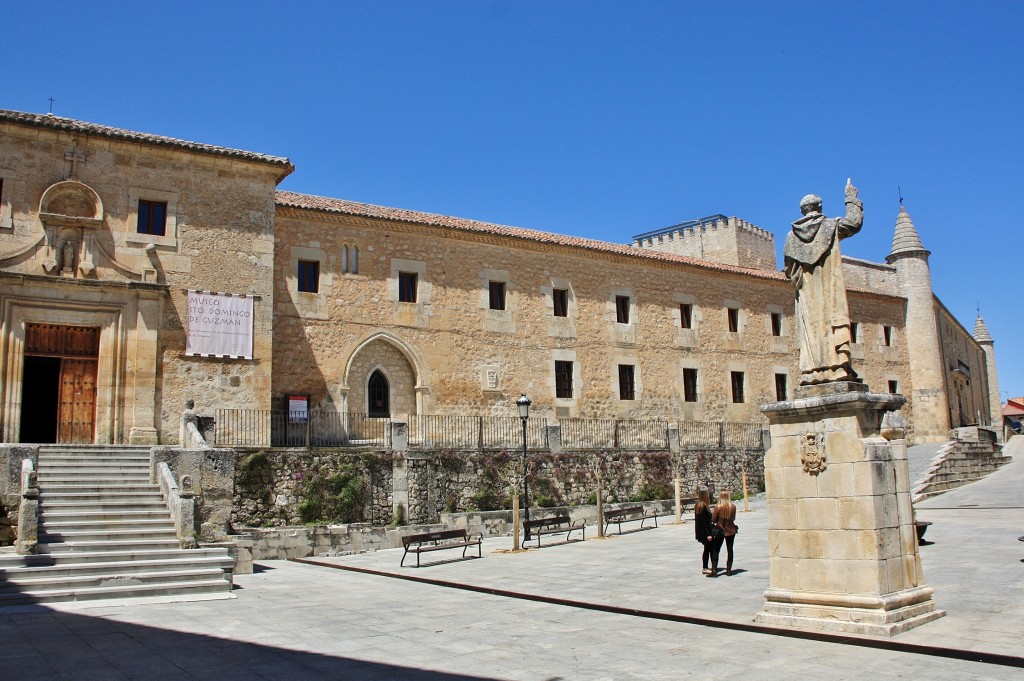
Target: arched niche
point(72, 200)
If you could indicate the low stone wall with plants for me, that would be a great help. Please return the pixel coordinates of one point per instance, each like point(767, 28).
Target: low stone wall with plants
point(282, 487)
point(278, 487)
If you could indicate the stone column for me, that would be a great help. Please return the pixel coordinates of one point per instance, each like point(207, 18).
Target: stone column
point(841, 537)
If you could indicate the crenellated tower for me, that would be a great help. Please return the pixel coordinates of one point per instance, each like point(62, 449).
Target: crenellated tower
point(984, 339)
point(910, 258)
point(716, 238)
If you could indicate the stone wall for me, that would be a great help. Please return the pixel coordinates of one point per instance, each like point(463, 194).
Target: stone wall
point(11, 457)
point(272, 486)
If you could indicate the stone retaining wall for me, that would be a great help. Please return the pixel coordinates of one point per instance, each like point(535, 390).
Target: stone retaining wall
point(273, 487)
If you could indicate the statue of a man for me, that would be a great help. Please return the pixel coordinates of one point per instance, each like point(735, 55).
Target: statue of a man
point(814, 265)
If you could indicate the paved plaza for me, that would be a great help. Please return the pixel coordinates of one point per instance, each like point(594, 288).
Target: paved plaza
point(628, 607)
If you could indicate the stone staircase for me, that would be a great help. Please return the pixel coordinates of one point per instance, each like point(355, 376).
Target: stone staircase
point(105, 532)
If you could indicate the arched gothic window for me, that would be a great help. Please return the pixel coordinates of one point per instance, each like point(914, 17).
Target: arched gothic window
point(378, 396)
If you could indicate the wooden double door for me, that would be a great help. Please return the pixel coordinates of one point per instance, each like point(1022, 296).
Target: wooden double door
point(59, 384)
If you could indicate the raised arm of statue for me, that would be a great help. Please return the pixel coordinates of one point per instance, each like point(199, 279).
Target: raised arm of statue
point(851, 224)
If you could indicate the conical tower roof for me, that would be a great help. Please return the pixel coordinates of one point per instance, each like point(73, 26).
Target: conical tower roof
point(905, 238)
point(981, 333)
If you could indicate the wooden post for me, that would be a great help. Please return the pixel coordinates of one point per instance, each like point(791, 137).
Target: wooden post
point(515, 522)
point(746, 504)
point(679, 501)
point(600, 502)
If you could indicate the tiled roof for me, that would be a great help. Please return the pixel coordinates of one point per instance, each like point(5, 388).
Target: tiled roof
point(70, 125)
point(343, 207)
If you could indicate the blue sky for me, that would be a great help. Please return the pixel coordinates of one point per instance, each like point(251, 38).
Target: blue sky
point(598, 119)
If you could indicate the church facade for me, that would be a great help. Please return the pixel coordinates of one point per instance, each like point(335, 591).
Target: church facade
point(124, 255)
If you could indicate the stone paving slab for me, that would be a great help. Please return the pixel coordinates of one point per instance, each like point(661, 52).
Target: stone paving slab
point(293, 621)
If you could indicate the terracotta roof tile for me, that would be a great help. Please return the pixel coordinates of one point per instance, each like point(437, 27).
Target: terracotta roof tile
point(70, 125)
point(341, 206)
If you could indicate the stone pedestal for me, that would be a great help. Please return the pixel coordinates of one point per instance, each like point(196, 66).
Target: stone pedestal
point(841, 537)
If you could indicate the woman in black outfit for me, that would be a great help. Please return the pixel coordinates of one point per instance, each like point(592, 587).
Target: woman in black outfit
point(702, 531)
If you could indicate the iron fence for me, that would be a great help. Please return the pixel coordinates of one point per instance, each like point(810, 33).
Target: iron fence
point(719, 435)
point(580, 433)
point(263, 428)
point(428, 431)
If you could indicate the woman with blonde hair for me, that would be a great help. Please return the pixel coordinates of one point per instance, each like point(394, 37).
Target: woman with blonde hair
point(703, 529)
point(724, 518)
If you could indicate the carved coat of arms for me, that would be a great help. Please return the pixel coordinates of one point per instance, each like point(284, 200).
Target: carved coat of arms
point(812, 453)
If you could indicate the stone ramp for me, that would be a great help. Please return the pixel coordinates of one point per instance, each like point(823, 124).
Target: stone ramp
point(105, 533)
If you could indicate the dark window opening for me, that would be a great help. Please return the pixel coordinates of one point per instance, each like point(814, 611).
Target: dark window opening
point(378, 396)
point(622, 309)
point(887, 335)
point(689, 385)
point(737, 386)
point(854, 332)
point(627, 386)
point(497, 295)
point(152, 217)
point(781, 392)
point(685, 316)
point(309, 276)
point(734, 319)
point(560, 300)
point(407, 287)
point(563, 379)
point(776, 323)
point(894, 387)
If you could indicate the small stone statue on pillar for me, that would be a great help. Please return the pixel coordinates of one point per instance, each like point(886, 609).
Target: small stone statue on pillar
point(841, 534)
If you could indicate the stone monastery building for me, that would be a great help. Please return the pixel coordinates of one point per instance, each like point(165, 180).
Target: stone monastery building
point(137, 271)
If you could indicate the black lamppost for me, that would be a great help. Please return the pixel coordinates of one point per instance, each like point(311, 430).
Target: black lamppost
point(523, 403)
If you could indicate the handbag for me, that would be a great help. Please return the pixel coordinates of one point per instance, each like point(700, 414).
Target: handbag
point(716, 532)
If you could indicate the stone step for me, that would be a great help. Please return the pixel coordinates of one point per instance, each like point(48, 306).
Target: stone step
point(38, 580)
point(86, 523)
point(102, 506)
point(120, 478)
point(95, 488)
point(167, 589)
point(115, 545)
point(46, 495)
point(51, 536)
point(107, 558)
point(92, 515)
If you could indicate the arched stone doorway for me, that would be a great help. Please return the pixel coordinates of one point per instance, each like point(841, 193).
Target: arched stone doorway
point(382, 380)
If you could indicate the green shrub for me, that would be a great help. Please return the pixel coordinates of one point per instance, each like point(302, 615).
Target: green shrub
point(337, 498)
point(652, 492)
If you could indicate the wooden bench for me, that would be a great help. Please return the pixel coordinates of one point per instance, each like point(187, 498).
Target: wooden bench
point(439, 541)
point(627, 514)
point(554, 525)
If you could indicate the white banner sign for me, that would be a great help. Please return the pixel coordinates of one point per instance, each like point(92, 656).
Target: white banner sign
point(219, 325)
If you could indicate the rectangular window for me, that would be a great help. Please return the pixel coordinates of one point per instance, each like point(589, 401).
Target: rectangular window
point(497, 293)
point(627, 388)
point(894, 387)
point(560, 299)
point(309, 275)
point(776, 323)
point(152, 217)
point(685, 316)
point(622, 309)
point(689, 385)
point(855, 332)
point(737, 386)
point(407, 287)
point(563, 379)
point(734, 319)
point(781, 393)
point(887, 336)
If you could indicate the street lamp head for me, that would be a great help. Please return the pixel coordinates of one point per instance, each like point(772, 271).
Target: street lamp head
point(523, 403)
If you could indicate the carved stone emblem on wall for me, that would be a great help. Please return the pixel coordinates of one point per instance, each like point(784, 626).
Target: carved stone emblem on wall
point(812, 453)
point(490, 378)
